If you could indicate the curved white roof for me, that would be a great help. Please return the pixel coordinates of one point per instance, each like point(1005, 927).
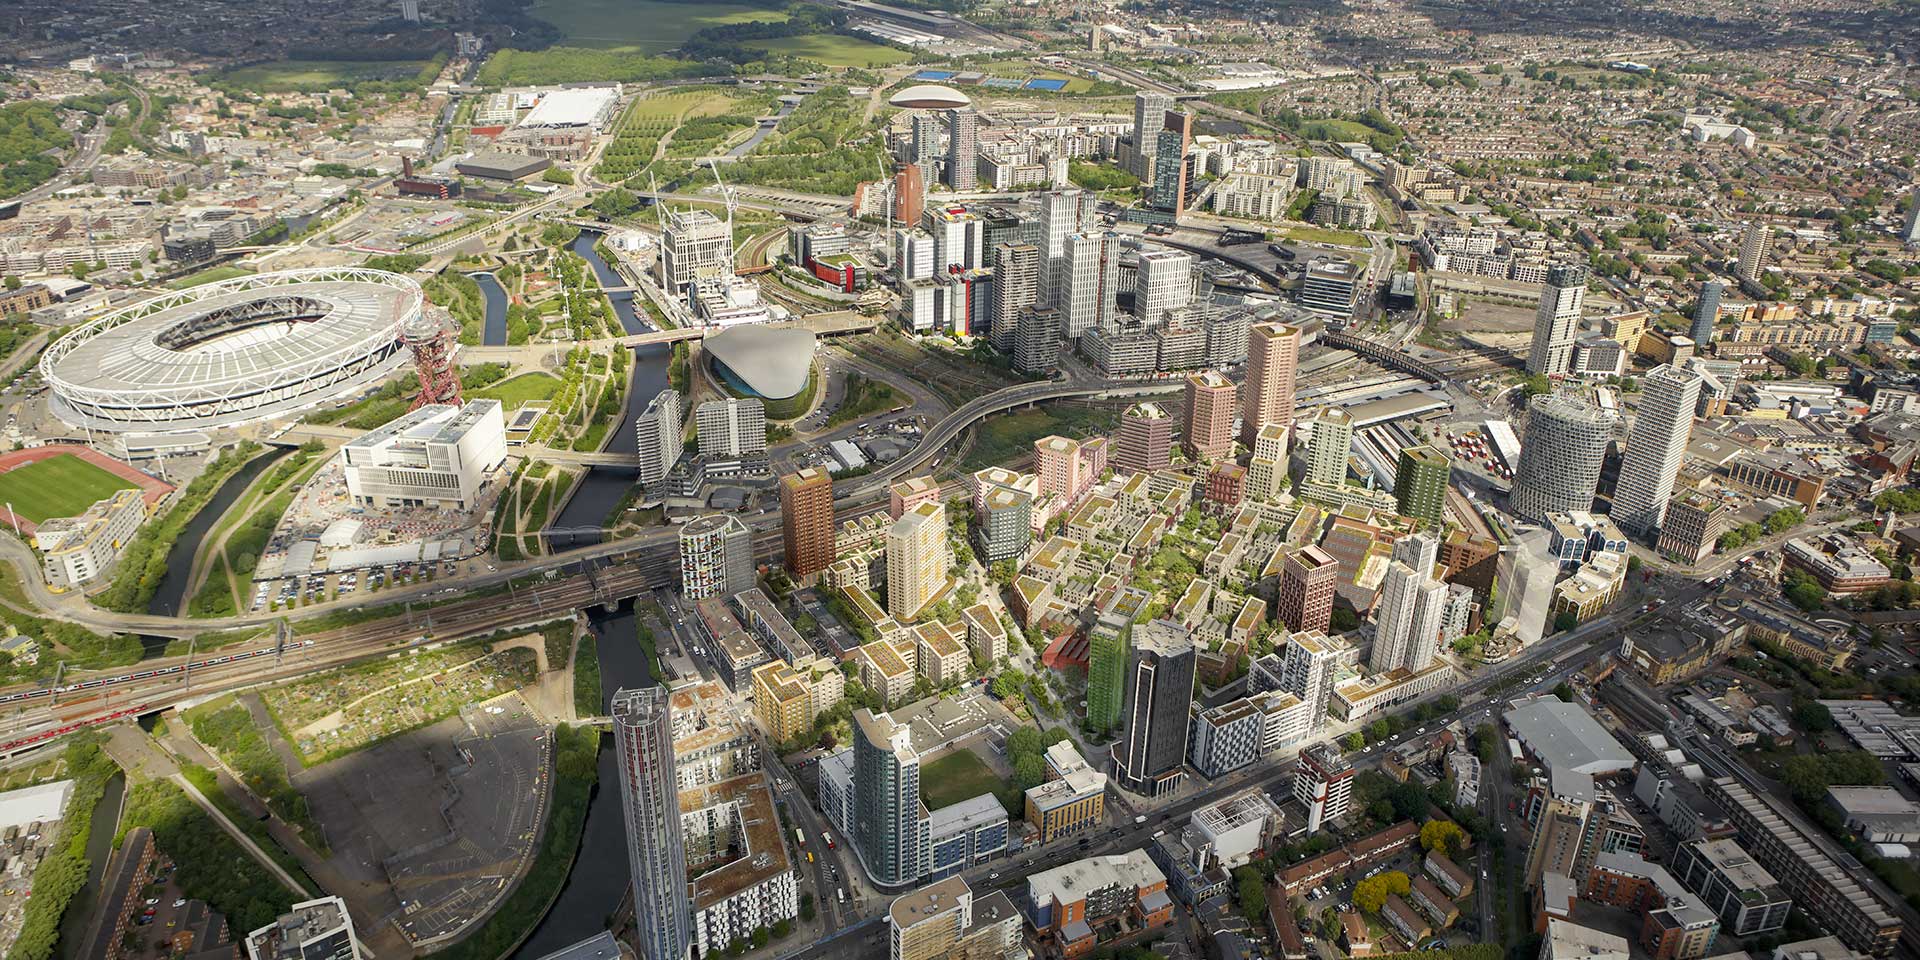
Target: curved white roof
point(774, 361)
point(929, 95)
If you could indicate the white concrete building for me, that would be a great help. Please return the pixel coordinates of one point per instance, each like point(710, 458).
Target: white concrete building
point(438, 455)
point(76, 550)
point(731, 428)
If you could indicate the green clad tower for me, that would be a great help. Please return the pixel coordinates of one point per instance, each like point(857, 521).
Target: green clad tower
point(1107, 671)
point(1420, 484)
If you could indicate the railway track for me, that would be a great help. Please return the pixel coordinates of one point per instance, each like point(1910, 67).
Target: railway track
point(42, 714)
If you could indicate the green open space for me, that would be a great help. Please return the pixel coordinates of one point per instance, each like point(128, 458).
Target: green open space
point(955, 777)
point(645, 26)
point(1005, 437)
point(1325, 235)
point(835, 50)
point(59, 486)
point(210, 864)
point(226, 727)
point(287, 76)
point(519, 390)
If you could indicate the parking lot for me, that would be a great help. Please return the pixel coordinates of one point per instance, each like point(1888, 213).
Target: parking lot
point(436, 824)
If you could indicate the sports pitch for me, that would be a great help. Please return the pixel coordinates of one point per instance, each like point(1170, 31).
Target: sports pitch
point(59, 486)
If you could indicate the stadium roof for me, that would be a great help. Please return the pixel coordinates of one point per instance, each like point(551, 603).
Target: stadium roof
point(930, 95)
point(773, 362)
point(1565, 737)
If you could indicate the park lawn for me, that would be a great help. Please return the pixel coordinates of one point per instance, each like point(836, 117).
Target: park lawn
point(955, 777)
point(1005, 437)
point(519, 390)
point(835, 50)
point(1337, 238)
point(286, 76)
point(209, 275)
point(644, 26)
point(59, 486)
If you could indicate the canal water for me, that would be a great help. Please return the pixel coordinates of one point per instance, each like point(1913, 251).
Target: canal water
point(171, 598)
point(80, 912)
point(604, 487)
point(494, 331)
point(599, 878)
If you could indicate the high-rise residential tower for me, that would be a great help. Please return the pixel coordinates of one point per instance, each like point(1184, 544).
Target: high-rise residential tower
point(1165, 282)
point(1756, 242)
point(1912, 232)
point(1209, 424)
point(926, 144)
point(657, 436)
point(917, 559)
point(1329, 445)
point(1304, 598)
point(1273, 357)
point(1407, 621)
point(909, 193)
point(1556, 320)
point(650, 803)
point(1036, 344)
point(731, 428)
point(1107, 670)
point(1016, 285)
point(963, 149)
point(806, 521)
point(1145, 441)
point(1420, 484)
point(716, 557)
point(1705, 313)
point(1149, 118)
point(1656, 447)
point(1089, 282)
point(1560, 460)
point(890, 832)
point(1169, 190)
point(1151, 754)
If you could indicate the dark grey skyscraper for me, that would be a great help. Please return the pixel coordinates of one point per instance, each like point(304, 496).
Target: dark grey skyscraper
point(1705, 313)
point(650, 799)
point(1151, 754)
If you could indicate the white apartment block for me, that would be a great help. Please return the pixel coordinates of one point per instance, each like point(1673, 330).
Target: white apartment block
point(76, 550)
point(731, 428)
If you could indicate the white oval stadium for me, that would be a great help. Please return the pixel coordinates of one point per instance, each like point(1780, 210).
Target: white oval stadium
point(240, 350)
point(930, 96)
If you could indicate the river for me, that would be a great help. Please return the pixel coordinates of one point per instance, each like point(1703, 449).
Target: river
point(599, 878)
point(170, 598)
point(494, 332)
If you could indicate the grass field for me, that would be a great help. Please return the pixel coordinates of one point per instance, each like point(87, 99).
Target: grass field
point(644, 26)
point(955, 777)
point(1005, 437)
point(290, 75)
point(1337, 238)
point(521, 389)
point(209, 275)
point(61, 486)
point(835, 50)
